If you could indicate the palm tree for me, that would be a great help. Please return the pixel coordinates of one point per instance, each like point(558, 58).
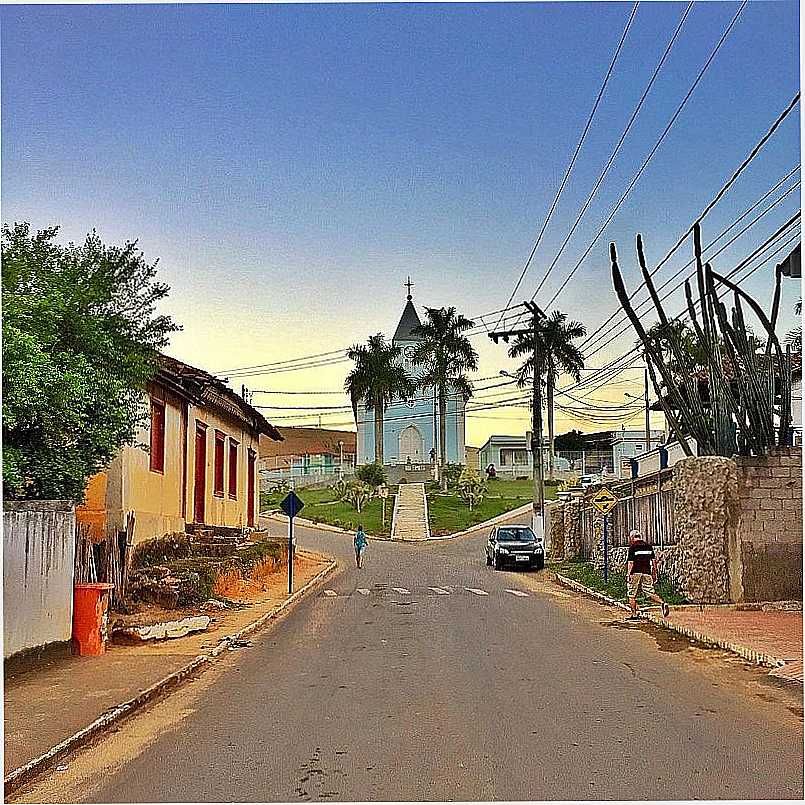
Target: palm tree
point(377, 378)
point(446, 355)
point(556, 354)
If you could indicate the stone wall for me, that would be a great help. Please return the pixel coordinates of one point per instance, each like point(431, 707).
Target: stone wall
point(572, 526)
point(705, 512)
point(738, 527)
point(555, 520)
point(769, 528)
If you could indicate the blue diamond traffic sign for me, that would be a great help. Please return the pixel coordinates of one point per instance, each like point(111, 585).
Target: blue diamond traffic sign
point(292, 504)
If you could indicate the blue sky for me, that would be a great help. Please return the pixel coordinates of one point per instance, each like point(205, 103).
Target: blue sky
point(290, 165)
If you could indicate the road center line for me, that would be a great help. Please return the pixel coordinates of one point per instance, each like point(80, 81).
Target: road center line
point(476, 591)
point(363, 591)
point(439, 590)
point(518, 592)
point(401, 590)
point(330, 593)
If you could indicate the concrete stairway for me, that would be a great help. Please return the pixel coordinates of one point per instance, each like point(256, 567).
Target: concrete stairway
point(410, 519)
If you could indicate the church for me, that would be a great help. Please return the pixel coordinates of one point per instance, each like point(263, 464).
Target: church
point(411, 427)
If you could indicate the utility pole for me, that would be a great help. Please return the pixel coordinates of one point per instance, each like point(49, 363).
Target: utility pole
point(648, 421)
point(538, 518)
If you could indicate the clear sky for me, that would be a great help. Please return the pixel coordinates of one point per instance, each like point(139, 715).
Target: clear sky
point(291, 165)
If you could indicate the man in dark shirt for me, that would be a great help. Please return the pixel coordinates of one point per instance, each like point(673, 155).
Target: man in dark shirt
point(641, 574)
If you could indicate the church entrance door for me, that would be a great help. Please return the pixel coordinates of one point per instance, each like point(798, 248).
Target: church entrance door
point(411, 445)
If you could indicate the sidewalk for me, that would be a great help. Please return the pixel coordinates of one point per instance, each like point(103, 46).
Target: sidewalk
point(63, 696)
point(772, 638)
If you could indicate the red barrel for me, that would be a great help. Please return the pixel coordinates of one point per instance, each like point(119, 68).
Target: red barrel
point(90, 618)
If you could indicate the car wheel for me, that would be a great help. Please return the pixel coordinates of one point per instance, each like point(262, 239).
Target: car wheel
point(498, 563)
point(539, 564)
point(488, 560)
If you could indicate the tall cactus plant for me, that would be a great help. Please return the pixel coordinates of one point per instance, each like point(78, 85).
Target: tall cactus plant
point(748, 390)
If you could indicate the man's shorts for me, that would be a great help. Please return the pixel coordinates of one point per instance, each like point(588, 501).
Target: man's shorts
point(637, 582)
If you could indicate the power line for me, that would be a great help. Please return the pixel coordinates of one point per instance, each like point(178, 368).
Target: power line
point(768, 242)
point(617, 148)
point(575, 154)
point(654, 149)
point(622, 316)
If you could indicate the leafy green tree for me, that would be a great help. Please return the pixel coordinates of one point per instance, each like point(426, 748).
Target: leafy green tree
point(80, 339)
point(377, 378)
point(556, 354)
point(447, 355)
point(372, 474)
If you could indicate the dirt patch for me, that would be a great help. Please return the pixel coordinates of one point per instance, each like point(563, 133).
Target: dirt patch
point(235, 583)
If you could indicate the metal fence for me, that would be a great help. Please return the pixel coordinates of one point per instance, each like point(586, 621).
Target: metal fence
point(652, 515)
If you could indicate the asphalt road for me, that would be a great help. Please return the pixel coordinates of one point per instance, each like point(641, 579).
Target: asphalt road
point(440, 683)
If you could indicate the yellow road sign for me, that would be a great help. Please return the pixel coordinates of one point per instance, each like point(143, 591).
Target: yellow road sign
point(604, 501)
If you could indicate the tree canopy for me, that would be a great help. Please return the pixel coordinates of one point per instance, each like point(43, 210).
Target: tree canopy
point(80, 337)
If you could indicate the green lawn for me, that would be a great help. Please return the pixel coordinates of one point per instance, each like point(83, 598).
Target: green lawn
point(615, 586)
point(447, 513)
point(321, 506)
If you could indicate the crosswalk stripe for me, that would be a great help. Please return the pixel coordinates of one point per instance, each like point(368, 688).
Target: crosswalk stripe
point(439, 590)
point(476, 591)
point(363, 591)
point(518, 592)
point(330, 593)
point(401, 590)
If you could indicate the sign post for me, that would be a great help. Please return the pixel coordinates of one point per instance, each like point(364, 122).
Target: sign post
point(292, 504)
point(605, 501)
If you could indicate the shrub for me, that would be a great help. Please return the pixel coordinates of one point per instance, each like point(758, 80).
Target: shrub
point(471, 489)
point(340, 489)
point(372, 474)
point(358, 494)
point(452, 474)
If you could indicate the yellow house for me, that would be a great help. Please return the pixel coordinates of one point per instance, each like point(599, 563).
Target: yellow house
point(193, 464)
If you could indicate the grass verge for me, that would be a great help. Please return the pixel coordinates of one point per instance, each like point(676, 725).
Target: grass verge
point(615, 586)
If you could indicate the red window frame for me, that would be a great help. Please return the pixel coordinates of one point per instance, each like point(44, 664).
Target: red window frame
point(218, 476)
point(157, 448)
point(233, 469)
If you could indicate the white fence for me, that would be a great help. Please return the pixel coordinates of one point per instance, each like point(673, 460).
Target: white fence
point(38, 561)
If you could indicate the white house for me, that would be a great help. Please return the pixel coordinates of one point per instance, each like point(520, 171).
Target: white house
point(628, 444)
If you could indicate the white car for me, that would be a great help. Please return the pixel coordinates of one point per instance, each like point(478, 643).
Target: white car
point(589, 480)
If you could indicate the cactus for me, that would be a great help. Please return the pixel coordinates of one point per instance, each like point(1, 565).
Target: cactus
point(747, 390)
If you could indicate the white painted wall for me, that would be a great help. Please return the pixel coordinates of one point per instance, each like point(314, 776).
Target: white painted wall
point(38, 559)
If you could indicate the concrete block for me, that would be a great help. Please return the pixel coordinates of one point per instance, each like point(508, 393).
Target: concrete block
point(769, 503)
point(780, 472)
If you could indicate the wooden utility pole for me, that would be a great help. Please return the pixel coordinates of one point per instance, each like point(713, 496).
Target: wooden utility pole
point(536, 415)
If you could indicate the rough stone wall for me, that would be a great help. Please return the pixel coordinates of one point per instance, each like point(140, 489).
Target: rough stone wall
point(572, 527)
point(769, 529)
point(556, 527)
point(706, 513)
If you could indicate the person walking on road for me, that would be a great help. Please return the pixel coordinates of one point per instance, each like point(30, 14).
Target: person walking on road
point(641, 574)
point(360, 546)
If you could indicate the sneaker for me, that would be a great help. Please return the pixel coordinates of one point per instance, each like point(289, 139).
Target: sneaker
point(665, 609)
point(633, 618)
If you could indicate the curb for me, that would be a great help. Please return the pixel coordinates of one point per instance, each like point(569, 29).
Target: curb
point(24, 774)
point(757, 657)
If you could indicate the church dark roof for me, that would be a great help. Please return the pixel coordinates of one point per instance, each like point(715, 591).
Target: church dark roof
point(408, 321)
